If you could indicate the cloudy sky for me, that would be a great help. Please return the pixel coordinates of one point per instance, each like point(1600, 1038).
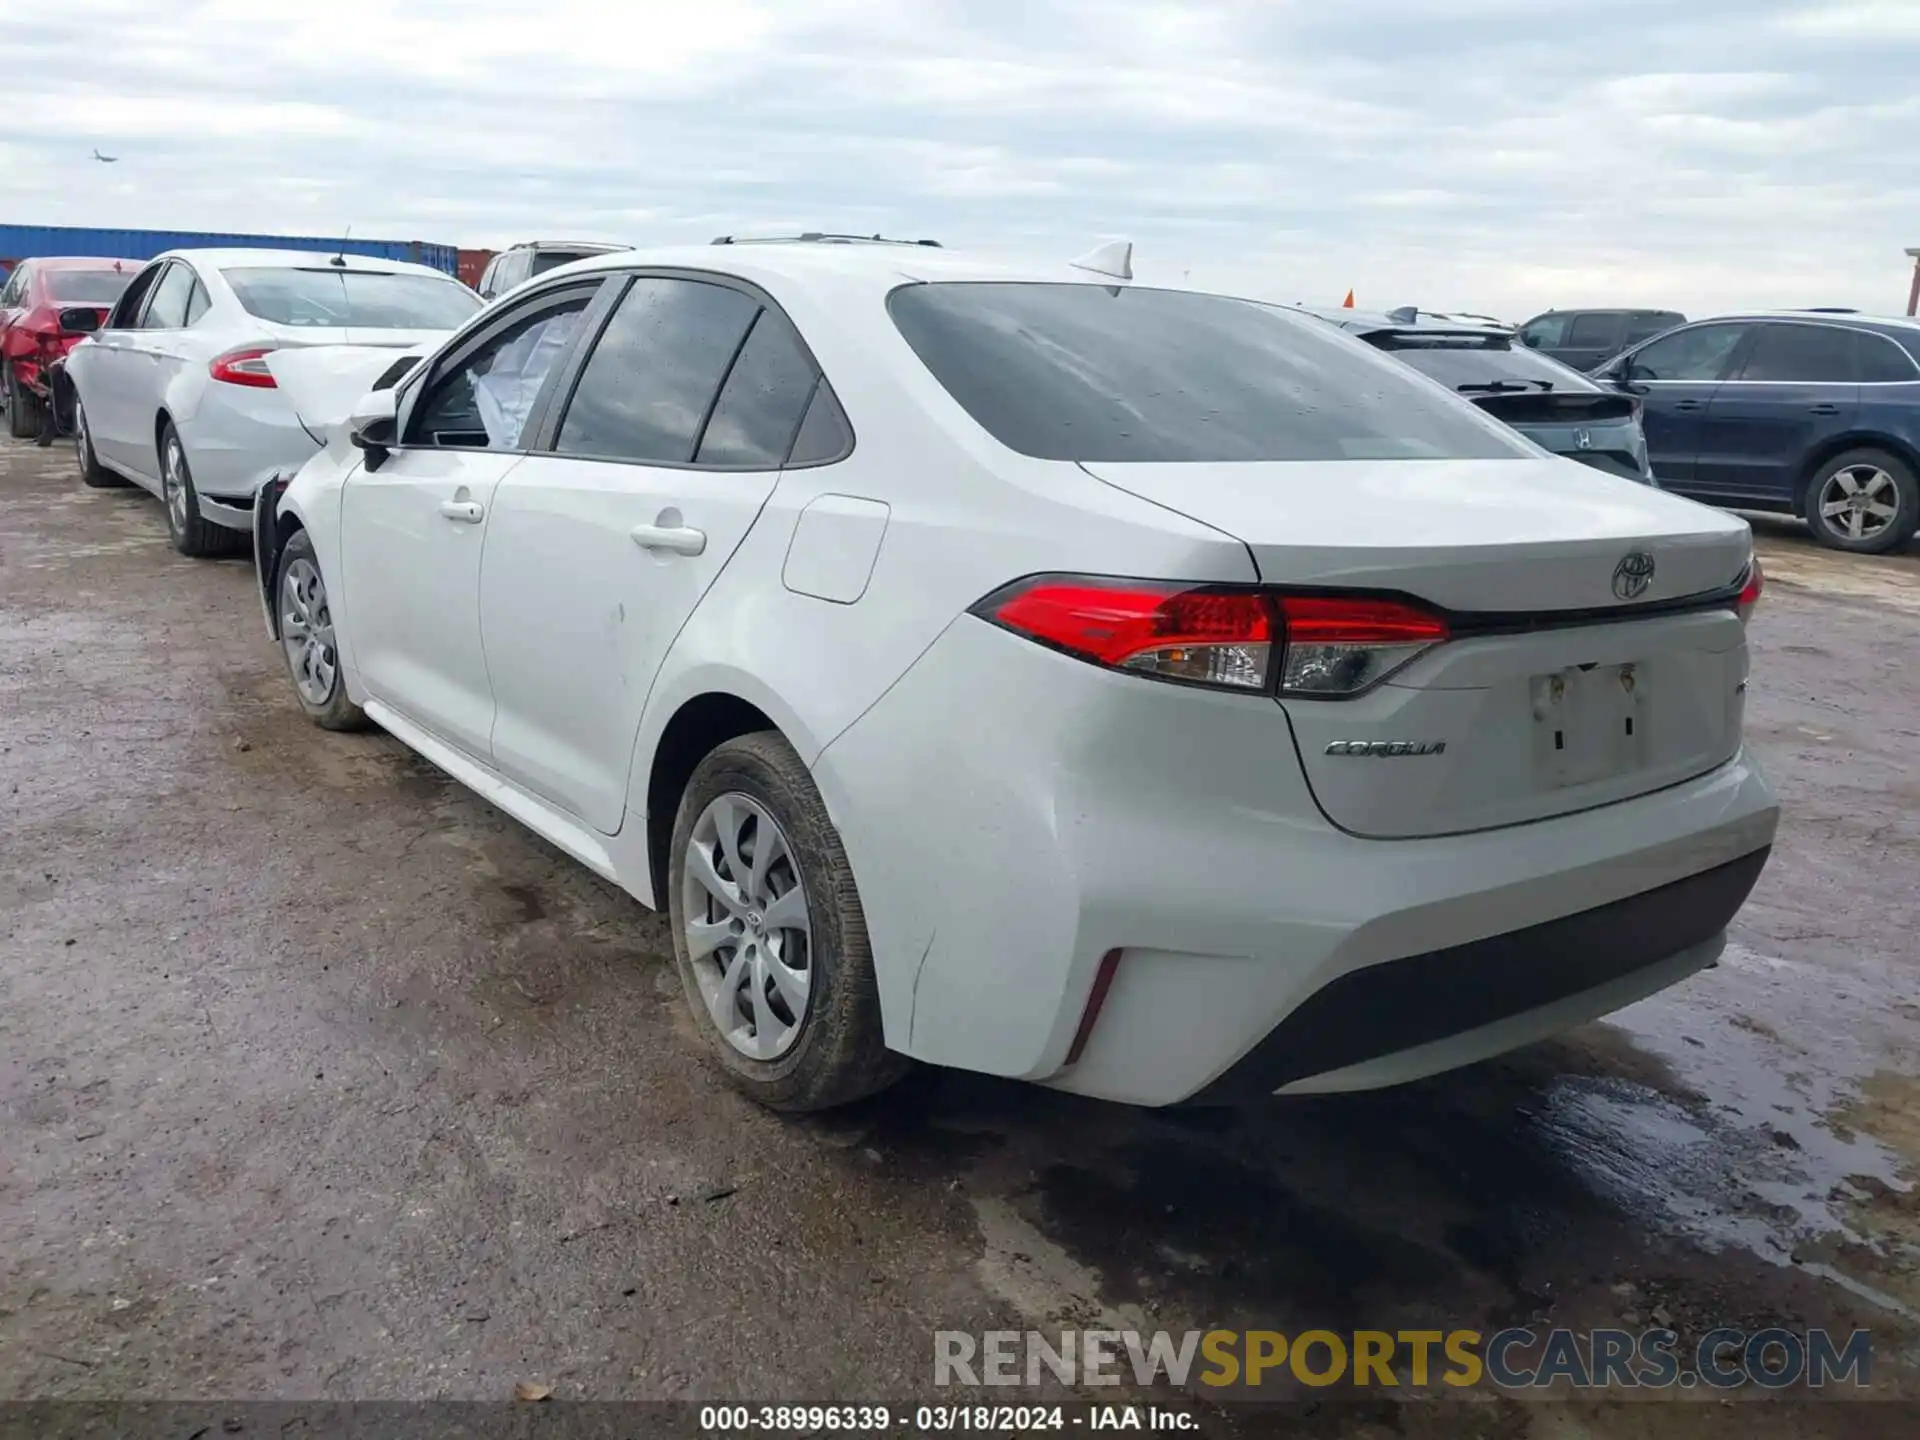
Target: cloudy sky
point(1494, 155)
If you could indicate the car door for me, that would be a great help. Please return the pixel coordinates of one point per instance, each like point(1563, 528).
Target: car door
point(412, 529)
point(158, 354)
point(1592, 337)
point(1676, 377)
point(109, 374)
point(1795, 387)
point(665, 452)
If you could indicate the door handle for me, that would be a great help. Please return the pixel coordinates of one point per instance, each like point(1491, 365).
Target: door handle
point(670, 539)
point(467, 511)
point(1823, 409)
point(1686, 404)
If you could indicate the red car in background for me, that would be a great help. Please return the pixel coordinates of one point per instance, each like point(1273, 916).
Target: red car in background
point(46, 306)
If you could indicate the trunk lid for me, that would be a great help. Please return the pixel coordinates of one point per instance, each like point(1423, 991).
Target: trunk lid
point(323, 382)
point(1555, 693)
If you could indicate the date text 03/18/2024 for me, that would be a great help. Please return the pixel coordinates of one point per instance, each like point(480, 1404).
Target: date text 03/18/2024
point(812, 1419)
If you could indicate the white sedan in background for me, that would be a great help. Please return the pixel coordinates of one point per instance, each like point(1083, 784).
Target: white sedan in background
point(172, 392)
point(1147, 693)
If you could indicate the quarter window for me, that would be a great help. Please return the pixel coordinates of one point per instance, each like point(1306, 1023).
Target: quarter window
point(648, 386)
point(1809, 354)
point(1882, 362)
point(761, 405)
point(168, 309)
point(824, 435)
point(1699, 354)
point(484, 401)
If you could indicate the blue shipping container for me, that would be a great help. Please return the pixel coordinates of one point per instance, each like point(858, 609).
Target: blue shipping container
point(24, 242)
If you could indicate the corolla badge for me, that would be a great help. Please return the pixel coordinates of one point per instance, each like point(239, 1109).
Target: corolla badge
point(1633, 575)
point(1387, 749)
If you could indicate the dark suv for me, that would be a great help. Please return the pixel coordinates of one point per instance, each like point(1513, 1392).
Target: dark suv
point(1814, 414)
point(1585, 338)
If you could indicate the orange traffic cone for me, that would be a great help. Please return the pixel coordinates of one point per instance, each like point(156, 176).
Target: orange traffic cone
point(1347, 304)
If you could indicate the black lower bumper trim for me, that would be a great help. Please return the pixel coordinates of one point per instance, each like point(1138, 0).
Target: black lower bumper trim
point(1399, 1004)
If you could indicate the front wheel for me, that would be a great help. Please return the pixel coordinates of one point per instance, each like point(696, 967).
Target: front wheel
point(769, 935)
point(308, 641)
point(1866, 501)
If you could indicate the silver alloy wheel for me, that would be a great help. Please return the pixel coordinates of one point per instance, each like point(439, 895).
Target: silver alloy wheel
point(748, 932)
point(1859, 501)
point(173, 482)
point(82, 442)
point(306, 631)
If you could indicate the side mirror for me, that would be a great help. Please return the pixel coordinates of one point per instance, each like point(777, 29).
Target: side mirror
point(79, 320)
point(372, 426)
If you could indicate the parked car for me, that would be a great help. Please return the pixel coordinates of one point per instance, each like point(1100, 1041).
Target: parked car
point(1149, 693)
point(1586, 338)
point(46, 307)
point(172, 392)
point(1812, 413)
point(1554, 406)
point(522, 262)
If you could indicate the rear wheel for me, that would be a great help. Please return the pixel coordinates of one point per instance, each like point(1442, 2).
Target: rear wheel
point(769, 935)
point(193, 534)
point(307, 639)
point(1867, 501)
point(92, 472)
point(23, 407)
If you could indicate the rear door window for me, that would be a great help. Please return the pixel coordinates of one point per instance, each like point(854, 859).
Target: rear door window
point(1594, 331)
point(1095, 372)
point(1698, 354)
point(765, 397)
point(1807, 354)
point(651, 380)
point(1645, 327)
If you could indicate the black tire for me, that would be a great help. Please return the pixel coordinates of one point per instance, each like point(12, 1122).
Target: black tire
point(839, 1054)
point(92, 472)
point(335, 711)
point(1824, 488)
point(193, 534)
point(23, 408)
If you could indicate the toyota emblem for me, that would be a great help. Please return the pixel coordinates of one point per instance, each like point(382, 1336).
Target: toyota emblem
point(1633, 575)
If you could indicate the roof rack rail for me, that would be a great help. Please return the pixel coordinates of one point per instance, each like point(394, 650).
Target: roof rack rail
point(828, 237)
point(1829, 310)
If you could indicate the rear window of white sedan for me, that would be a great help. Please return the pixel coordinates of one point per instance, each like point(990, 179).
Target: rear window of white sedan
point(1125, 373)
point(362, 299)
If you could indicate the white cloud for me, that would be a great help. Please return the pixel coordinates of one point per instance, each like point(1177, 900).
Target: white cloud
point(1491, 155)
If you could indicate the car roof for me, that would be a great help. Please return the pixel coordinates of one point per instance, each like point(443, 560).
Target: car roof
point(589, 247)
point(835, 265)
point(299, 259)
point(83, 262)
point(1884, 324)
point(1367, 322)
point(1607, 310)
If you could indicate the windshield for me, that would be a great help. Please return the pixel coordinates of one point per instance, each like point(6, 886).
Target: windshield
point(361, 299)
point(87, 287)
point(1112, 373)
point(1482, 365)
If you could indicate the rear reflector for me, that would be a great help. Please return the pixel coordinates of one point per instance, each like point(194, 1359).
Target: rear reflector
point(1226, 637)
point(244, 367)
point(1750, 590)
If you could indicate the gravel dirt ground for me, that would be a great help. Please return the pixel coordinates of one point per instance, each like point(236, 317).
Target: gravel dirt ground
point(320, 1079)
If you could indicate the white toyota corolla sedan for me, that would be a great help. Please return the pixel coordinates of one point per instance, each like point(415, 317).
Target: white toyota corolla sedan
point(172, 392)
point(1151, 694)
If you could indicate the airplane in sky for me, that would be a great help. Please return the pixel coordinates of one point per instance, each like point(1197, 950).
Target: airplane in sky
point(106, 159)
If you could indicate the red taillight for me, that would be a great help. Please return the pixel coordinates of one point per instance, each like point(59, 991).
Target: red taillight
point(1750, 590)
point(1232, 638)
point(244, 367)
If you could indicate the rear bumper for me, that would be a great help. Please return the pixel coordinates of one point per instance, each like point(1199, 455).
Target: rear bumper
point(235, 443)
point(1402, 1018)
point(1013, 816)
